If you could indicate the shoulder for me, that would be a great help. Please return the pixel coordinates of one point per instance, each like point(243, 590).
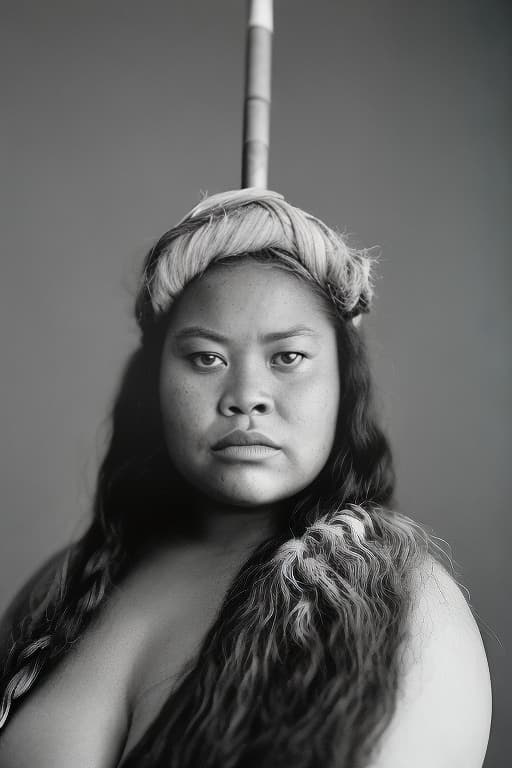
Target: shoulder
point(20, 604)
point(443, 710)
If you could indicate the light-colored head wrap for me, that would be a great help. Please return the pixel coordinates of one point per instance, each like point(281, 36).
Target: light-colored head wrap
point(254, 221)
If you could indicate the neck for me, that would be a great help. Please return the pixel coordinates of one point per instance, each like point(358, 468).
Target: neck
point(227, 529)
point(223, 529)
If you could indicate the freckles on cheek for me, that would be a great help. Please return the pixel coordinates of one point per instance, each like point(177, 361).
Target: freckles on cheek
point(315, 418)
point(181, 407)
point(316, 398)
point(175, 398)
point(175, 387)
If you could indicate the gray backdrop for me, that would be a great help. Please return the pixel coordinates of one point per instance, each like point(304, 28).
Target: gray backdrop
point(390, 119)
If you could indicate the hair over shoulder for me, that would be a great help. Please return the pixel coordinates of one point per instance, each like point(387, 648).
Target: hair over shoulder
point(301, 665)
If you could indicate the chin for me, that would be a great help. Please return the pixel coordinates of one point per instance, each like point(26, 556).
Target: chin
point(249, 495)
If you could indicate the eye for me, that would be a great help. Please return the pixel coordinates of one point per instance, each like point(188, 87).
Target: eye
point(289, 359)
point(204, 360)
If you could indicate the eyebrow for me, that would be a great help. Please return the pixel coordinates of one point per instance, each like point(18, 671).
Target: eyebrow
point(195, 331)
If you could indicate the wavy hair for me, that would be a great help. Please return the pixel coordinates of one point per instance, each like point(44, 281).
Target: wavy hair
point(302, 663)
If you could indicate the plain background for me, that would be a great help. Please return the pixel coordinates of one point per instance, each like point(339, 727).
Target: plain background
point(390, 120)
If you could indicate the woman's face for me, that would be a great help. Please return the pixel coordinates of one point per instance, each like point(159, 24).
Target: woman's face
point(249, 349)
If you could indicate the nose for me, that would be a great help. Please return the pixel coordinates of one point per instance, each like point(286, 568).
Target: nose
point(245, 393)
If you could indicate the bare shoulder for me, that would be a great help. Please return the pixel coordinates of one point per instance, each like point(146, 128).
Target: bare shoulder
point(444, 700)
point(439, 606)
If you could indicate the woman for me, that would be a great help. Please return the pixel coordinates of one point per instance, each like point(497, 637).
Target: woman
point(246, 594)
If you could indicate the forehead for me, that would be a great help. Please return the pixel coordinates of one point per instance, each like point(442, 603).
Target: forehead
point(249, 298)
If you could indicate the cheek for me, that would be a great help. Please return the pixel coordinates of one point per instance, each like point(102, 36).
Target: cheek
point(182, 408)
point(312, 407)
point(314, 400)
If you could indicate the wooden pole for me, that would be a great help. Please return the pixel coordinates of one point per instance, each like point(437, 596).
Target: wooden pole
point(258, 66)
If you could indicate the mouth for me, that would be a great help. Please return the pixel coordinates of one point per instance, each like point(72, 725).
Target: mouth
point(251, 452)
point(246, 440)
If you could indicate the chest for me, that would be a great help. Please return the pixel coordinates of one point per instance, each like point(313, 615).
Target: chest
point(96, 705)
point(158, 666)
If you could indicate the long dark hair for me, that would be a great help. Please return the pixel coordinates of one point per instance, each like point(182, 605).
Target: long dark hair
point(300, 667)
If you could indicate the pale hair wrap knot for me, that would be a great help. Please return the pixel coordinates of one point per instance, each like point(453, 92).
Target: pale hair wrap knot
point(254, 221)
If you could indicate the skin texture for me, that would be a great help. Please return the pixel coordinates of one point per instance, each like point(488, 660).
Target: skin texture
point(125, 665)
point(286, 389)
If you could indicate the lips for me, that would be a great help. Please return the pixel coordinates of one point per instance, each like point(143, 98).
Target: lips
point(238, 437)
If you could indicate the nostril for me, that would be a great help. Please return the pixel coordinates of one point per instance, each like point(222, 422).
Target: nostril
point(256, 406)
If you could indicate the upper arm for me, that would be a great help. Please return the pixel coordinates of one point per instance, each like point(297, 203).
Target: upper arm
point(443, 709)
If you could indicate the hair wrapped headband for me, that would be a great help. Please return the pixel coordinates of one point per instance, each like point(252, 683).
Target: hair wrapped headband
point(255, 221)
